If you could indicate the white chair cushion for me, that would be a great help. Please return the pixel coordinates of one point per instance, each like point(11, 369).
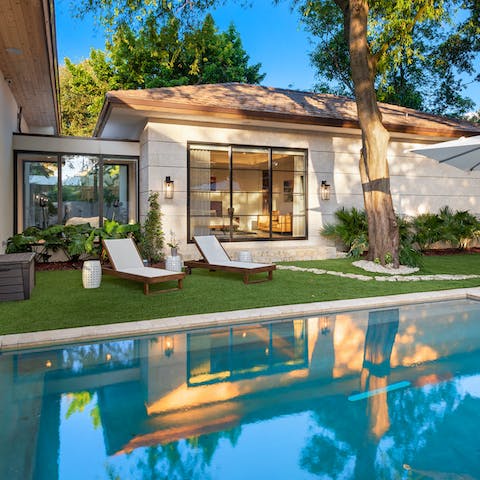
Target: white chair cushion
point(211, 249)
point(123, 253)
point(148, 272)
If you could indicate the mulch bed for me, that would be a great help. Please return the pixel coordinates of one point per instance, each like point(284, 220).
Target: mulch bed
point(50, 266)
point(450, 251)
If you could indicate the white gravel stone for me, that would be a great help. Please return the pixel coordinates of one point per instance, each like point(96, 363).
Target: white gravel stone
point(377, 268)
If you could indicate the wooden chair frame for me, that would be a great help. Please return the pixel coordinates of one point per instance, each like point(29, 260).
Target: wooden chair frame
point(147, 281)
point(246, 272)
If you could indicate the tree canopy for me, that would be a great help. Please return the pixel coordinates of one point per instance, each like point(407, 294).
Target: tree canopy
point(159, 54)
point(421, 50)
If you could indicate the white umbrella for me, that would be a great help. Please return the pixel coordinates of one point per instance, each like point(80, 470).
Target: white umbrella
point(463, 153)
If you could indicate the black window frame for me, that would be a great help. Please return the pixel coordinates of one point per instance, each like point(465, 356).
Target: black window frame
point(17, 202)
point(230, 147)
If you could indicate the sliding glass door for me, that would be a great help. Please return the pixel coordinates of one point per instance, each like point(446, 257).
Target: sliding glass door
point(74, 188)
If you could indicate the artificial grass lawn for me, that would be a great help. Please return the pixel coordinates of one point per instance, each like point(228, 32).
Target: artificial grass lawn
point(59, 300)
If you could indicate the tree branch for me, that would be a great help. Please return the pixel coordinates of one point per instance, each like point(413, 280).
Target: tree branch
point(394, 38)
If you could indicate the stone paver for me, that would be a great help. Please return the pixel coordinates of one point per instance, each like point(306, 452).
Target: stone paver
point(378, 278)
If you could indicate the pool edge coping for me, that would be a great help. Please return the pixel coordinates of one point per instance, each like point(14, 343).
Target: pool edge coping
point(38, 339)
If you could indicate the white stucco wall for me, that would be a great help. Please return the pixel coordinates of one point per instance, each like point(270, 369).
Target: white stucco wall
point(418, 184)
point(8, 124)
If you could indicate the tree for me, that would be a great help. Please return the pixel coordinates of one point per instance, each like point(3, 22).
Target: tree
point(82, 89)
point(158, 54)
point(161, 54)
point(423, 76)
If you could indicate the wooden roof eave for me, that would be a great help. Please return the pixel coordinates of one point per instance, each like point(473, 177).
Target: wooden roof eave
point(112, 100)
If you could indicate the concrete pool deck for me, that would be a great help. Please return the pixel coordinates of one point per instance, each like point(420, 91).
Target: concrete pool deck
point(171, 324)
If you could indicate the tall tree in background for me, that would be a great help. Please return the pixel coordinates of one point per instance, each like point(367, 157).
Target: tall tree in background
point(424, 75)
point(158, 54)
point(82, 90)
point(374, 32)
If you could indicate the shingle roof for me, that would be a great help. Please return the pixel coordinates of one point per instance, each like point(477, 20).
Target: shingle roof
point(267, 103)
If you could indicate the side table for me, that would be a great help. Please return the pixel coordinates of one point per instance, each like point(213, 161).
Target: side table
point(17, 276)
point(174, 263)
point(91, 274)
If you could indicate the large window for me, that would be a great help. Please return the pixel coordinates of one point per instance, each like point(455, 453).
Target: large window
point(74, 188)
point(247, 193)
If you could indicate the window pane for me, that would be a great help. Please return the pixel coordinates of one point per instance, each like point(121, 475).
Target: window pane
point(80, 187)
point(209, 190)
point(115, 192)
point(249, 190)
point(250, 158)
point(40, 194)
point(288, 194)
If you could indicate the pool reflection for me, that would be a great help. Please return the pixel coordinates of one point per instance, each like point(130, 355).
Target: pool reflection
point(195, 404)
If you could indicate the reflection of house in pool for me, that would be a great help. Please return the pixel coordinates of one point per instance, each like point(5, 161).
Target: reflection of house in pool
point(159, 390)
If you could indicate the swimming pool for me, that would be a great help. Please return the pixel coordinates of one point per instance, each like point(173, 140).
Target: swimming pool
point(389, 393)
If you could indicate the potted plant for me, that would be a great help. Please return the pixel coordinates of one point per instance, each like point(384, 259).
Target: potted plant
point(173, 244)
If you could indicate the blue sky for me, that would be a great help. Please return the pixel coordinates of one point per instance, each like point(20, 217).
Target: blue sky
point(271, 35)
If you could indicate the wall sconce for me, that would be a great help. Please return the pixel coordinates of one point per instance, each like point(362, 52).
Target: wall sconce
point(168, 346)
point(325, 190)
point(325, 326)
point(168, 187)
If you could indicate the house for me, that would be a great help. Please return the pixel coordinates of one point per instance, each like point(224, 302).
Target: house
point(268, 167)
point(261, 168)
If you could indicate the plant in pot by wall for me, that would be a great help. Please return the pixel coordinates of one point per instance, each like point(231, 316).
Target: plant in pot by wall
point(152, 234)
point(173, 244)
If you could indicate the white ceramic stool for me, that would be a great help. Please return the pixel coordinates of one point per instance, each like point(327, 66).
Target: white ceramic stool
point(91, 274)
point(244, 256)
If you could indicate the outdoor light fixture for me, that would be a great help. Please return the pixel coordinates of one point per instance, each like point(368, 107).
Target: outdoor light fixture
point(325, 190)
point(168, 346)
point(168, 187)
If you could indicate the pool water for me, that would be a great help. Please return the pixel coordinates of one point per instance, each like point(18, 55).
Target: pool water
point(381, 394)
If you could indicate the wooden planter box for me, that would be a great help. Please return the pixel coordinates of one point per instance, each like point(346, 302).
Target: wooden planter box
point(17, 276)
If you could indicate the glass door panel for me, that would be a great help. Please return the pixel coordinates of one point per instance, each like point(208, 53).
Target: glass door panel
point(116, 192)
point(250, 198)
point(288, 194)
point(40, 193)
point(209, 180)
point(80, 184)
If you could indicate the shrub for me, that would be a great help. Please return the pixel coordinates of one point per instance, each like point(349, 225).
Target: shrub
point(458, 228)
point(73, 240)
point(151, 243)
point(351, 228)
point(426, 230)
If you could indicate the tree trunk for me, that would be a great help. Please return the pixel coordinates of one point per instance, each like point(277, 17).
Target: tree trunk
point(383, 236)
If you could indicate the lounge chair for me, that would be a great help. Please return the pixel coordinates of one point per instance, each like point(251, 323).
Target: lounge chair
point(216, 258)
point(127, 263)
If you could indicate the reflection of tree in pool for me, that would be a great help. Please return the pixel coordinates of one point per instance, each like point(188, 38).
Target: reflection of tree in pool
point(342, 442)
point(113, 354)
point(418, 413)
point(81, 400)
point(325, 454)
point(180, 460)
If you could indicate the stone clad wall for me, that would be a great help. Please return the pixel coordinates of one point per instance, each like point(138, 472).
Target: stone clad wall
point(418, 184)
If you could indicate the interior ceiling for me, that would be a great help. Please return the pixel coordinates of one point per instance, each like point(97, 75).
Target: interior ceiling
point(28, 59)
